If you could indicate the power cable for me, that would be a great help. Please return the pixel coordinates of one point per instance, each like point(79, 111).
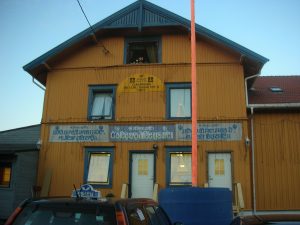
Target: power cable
point(87, 19)
point(105, 50)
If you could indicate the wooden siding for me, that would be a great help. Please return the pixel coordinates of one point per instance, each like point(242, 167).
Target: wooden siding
point(220, 93)
point(277, 156)
point(175, 49)
point(67, 162)
point(220, 81)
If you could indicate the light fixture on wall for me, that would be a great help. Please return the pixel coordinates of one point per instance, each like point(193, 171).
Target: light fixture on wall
point(39, 144)
point(155, 148)
point(247, 142)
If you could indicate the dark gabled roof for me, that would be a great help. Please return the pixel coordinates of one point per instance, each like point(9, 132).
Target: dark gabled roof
point(24, 138)
point(141, 14)
point(275, 90)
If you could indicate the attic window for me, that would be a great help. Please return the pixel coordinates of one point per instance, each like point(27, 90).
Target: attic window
point(276, 89)
point(142, 50)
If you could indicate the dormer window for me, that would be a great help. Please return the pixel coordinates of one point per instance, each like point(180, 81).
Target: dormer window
point(276, 89)
point(142, 50)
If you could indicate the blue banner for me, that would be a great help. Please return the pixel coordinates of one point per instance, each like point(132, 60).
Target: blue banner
point(79, 133)
point(136, 133)
point(210, 132)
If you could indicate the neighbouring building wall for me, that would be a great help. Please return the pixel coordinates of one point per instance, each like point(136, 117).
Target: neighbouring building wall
point(23, 176)
point(26, 176)
point(277, 160)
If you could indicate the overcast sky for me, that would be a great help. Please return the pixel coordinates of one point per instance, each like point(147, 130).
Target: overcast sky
point(30, 28)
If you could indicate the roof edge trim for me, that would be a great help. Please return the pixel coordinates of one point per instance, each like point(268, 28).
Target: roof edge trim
point(200, 30)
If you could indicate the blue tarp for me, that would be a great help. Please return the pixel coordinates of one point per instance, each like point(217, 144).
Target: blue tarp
point(197, 206)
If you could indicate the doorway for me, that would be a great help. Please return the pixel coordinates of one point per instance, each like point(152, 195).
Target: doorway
point(219, 170)
point(142, 174)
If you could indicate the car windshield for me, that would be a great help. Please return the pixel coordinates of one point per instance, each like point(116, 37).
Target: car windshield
point(67, 215)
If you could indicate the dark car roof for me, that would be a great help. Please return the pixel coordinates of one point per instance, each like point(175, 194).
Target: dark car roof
point(83, 201)
point(269, 218)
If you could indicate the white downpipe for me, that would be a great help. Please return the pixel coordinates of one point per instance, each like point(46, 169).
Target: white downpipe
point(252, 145)
point(37, 84)
point(246, 89)
point(253, 162)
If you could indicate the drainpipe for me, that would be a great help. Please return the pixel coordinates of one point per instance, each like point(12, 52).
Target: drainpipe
point(253, 162)
point(252, 145)
point(37, 84)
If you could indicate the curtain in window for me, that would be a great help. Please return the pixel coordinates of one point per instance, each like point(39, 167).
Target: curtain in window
point(98, 168)
point(152, 53)
point(102, 105)
point(181, 168)
point(180, 104)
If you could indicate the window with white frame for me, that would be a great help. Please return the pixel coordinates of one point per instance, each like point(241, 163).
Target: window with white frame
point(179, 166)
point(101, 103)
point(98, 166)
point(178, 101)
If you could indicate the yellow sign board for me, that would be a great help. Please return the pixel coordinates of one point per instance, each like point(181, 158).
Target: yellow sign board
point(141, 83)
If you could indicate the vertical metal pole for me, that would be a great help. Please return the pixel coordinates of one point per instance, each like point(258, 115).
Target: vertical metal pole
point(194, 99)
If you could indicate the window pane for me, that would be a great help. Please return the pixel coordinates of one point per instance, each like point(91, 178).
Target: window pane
point(98, 168)
point(152, 215)
point(142, 52)
point(181, 168)
point(180, 102)
point(219, 166)
point(5, 174)
point(161, 215)
point(74, 214)
point(102, 105)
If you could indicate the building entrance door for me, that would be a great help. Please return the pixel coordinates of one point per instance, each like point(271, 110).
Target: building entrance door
point(142, 175)
point(219, 170)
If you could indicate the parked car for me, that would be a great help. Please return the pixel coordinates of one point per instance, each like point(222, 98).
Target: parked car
point(80, 211)
point(276, 219)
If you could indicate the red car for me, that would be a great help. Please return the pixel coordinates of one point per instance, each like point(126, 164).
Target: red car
point(79, 211)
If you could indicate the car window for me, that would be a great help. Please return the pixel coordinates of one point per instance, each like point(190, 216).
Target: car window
point(137, 216)
point(163, 219)
point(152, 216)
point(67, 215)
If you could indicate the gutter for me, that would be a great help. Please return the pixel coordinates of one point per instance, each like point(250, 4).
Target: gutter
point(37, 84)
point(274, 106)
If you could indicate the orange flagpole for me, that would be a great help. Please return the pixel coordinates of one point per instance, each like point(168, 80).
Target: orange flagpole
point(194, 99)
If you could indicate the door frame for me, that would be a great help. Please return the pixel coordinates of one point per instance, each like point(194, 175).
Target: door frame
point(131, 152)
point(231, 164)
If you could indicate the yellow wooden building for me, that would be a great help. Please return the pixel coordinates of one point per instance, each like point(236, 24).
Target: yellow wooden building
point(117, 108)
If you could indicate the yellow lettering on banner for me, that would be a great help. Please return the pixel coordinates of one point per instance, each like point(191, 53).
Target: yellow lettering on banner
point(141, 83)
point(143, 167)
